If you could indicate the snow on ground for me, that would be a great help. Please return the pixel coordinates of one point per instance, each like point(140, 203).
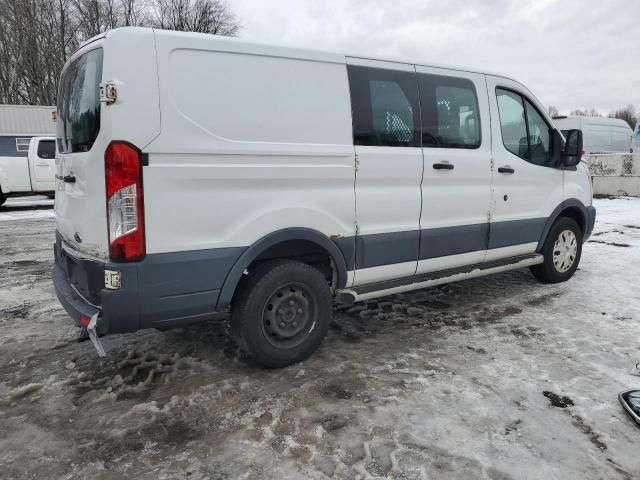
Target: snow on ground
point(18, 208)
point(495, 378)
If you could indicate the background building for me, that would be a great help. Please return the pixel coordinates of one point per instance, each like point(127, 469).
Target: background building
point(18, 123)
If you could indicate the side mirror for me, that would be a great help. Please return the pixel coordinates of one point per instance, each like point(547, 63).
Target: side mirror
point(572, 153)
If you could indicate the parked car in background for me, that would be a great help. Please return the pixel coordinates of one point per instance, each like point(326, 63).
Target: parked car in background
point(274, 181)
point(22, 170)
point(33, 174)
point(600, 134)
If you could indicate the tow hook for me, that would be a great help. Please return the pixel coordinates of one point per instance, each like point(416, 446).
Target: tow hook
point(93, 335)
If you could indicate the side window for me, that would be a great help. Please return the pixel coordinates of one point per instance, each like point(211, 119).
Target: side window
point(46, 149)
point(384, 105)
point(450, 113)
point(524, 131)
point(513, 123)
point(539, 137)
point(22, 144)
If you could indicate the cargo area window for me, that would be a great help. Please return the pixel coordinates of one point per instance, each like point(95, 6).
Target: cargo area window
point(78, 121)
point(525, 133)
point(22, 144)
point(450, 112)
point(384, 105)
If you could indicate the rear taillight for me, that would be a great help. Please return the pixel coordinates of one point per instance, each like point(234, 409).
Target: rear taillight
point(125, 207)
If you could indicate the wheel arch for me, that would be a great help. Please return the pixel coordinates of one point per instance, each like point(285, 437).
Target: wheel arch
point(272, 241)
point(572, 208)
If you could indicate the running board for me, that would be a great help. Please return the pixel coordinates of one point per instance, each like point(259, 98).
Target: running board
point(348, 296)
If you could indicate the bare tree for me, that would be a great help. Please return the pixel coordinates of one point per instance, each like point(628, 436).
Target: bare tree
point(35, 38)
point(585, 113)
point(553, 111)
point(628, 114)
point(134, 13)
point(206, 16)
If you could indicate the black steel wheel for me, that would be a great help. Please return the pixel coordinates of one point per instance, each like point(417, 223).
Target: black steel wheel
point(282, 312)
point(288, 315)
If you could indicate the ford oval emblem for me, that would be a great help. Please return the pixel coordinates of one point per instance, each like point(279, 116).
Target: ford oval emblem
point(77, 237)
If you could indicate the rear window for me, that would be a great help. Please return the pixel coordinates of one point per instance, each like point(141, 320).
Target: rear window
point(79, 103)
point(47, 149)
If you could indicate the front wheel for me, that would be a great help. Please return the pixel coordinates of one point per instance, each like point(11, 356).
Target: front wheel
point(282, 312)
point(562, 250)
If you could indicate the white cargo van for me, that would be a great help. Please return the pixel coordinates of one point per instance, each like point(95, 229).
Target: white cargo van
point(600, 134)
point(30, 174)
point(199, 174)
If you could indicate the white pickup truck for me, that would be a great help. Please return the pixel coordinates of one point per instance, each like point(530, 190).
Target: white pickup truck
point(30, 175)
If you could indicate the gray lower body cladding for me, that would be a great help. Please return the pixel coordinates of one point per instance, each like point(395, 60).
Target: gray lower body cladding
point(172, 288)
point(380, 249)
point(163, 289)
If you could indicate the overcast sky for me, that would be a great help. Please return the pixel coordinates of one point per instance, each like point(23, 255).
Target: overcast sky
point(570, 53)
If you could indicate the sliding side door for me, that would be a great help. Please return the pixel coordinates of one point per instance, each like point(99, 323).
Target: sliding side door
point(386, 131)
point(456, 187)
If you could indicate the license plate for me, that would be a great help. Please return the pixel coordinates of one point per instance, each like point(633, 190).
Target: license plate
point(112, 279)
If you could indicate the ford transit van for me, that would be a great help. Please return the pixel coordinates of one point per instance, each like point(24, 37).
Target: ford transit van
point(600, 134)
point(199, 175)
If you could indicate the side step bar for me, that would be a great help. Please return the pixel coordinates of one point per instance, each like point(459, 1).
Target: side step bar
point(348, 296)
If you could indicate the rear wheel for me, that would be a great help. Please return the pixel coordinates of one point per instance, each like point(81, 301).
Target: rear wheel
point(282, 312)
point(562, 250)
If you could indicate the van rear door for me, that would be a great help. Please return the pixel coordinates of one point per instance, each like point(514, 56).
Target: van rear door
point(80, 186)
point(126, 59)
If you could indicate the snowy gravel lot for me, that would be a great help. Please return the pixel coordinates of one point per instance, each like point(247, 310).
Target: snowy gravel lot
point(493, 378)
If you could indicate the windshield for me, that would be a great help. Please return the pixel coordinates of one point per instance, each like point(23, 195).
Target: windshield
point(79, 103)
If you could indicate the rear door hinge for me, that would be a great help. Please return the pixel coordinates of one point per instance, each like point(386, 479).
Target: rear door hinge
point(356, 228)
point(108, 92)
point(357, 163)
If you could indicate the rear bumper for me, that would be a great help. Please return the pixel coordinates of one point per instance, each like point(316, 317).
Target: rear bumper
point(73, 303)
point(79, 283)
point(591, 221)
point(162, 290)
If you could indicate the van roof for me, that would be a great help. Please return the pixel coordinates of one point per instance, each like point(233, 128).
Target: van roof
point(284, 50)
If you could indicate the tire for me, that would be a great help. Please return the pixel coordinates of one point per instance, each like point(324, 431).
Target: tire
point(281, 312)
point(562, 250)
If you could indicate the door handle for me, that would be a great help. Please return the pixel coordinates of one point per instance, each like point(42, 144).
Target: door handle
point(42, 164)
point(66, 178)
point(506, 170)
point(442, 166)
